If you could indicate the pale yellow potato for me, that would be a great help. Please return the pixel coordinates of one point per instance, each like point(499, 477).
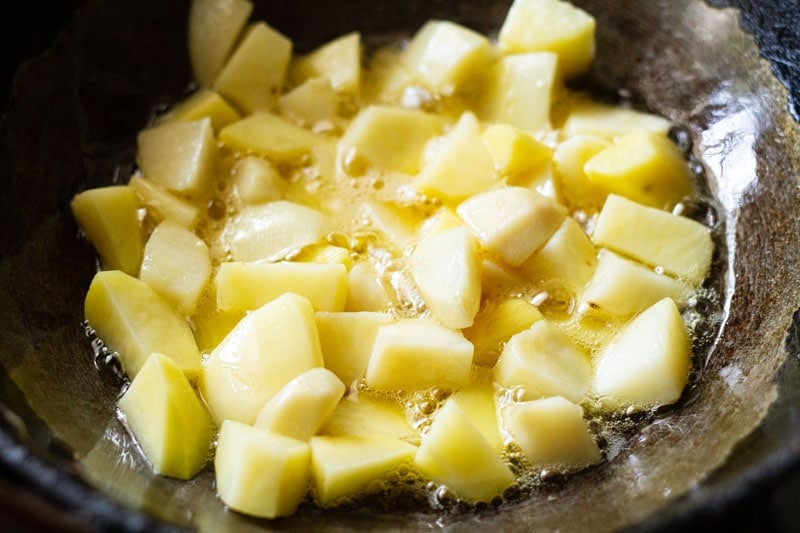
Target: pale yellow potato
point(214, 27)
point(496, 323)
point(269, 135)
point(246, 286)
point(266, 350)
point(392, 222)
point(325, 253)
point(338, 61)
point(587, 117)
point(260, 473)
point(365, 292)
point(513, 151)
point(108, 216)
point(477, 400)
point(164, 204)
point(346, 340)
point(313, 103)
point(201, 104)
point(303, 405)
point(134, 321)
point(258, 181)
point(366, 416)
point(573, 187)
point(568, 257)
point(171, 425)
point(348, 466)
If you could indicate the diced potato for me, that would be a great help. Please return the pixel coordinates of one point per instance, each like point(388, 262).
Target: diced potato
point(512, 222)
point(455, 453)
point(165, 204)
point(446, 268)
point(253, 76)
point(134, 321)
point(108, 216)
point(266, 350)
point(513, 151)
point(444, 220)
point(325, 253)
point(623, 287)
point(461, 166)
point(312, 104)
point(644, 167)
point(518, 91)
point(445, 56)
point(648, 363)
point(346, 340)
point(554, 26)
point(365, 292)
point(260, 473)
point(210, 325)
point(269, 135)
point(369, 417)
point(177, 264)
point(416, 355)
point(248, 286)
point(391, 222)
point(495, 274)
point(388, 138)
point(496, 323)
point(568, 256)
point(344, 467)
point(573, 186)
point(677, 244)
point(544, 362)
point(179, 155)
point(303, 405)
point(214, 27)
point(273, 230)
point(588, 117)
point(477, 401)
point(258, 181)
point(338, 61)
point(552, 432)
point(165, 415)
point(201, 104)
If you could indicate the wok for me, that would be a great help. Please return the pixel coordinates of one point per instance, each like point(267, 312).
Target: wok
point(71, 122)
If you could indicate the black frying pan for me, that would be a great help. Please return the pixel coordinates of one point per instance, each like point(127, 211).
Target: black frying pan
point(71, 122)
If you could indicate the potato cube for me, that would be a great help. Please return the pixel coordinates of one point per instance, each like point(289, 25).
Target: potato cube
point(496, 323)
point(325, 253)
point(177, 264)
point(260, 473)
point(513, 151)
point(253, 76)
point(644, 167)
point(445, 56)
point(393, 223)
point(623, 287)
point(248, 286)
point(416, 355)
point(211, 325)
point(201, 104)
point(171, 425)
point(303, 405)
point(311, 103)
point(446, 268)
point(552, 432)
point(346, 340)
point(572, 185)
point(338, 61)
point(163, 204)
point(589, 117)
point(108, 216)
point(554, 26)
point(269, 135)
point(544, 362)
point(455, 453)
point(258, 181)
point(266, 350)
point(512, 222)
point(348, 466)
point(388, 138)
point(648, 363)
point(369, 417)
point(214, 28)
point(461, 166)
point(477, 401)
point(134, 321)
point(679, 245)
point(271, 231)
point(518, 91)
point(179, 155)
point(444, 220)
point(568, 257)
point(365, 292)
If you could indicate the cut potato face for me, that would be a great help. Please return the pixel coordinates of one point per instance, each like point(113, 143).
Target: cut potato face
point(409, 269)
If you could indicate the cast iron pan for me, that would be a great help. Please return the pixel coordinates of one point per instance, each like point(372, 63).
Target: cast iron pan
point(70, 124)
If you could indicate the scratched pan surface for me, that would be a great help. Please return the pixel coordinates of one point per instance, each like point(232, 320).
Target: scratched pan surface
point(71, 123)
